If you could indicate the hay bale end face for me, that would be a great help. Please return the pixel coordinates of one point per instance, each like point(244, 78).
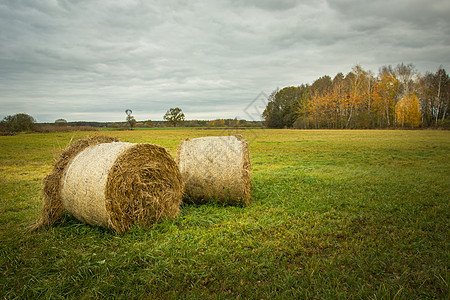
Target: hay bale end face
point(216, 168)
point(116, 185)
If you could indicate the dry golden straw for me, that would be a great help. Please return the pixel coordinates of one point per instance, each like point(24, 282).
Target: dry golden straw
point(104, 182)
point(216, 168)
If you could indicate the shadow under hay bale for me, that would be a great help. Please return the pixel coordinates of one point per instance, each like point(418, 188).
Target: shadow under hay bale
point(113, 184)
point(216, 168)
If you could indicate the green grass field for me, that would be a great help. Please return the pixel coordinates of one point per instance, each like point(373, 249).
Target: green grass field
point(334, 214)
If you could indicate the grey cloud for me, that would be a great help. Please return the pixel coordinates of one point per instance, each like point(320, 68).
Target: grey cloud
point(93, 59)
point(270, 5)
point(419, 12)
point(404, 16)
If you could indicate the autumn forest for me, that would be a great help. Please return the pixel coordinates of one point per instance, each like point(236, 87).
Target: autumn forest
point(399, 97)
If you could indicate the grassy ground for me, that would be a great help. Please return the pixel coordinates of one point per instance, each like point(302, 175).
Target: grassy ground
point(334, 214)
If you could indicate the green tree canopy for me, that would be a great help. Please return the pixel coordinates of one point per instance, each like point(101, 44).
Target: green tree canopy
point(18, 123)
point(174, 116)
point(280, 111)
point(61, 122)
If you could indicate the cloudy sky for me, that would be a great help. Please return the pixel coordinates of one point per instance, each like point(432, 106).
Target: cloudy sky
point(91, 60)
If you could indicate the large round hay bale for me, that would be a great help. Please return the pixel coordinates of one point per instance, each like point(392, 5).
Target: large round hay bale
point(216, 168)
point(52, 208)
point(116, 185)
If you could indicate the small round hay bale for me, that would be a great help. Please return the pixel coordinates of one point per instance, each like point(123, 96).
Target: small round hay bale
point(216, 168)
point(116, 185)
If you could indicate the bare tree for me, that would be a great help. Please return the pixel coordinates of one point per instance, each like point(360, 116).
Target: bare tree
point(405, 74)
point(130, 119)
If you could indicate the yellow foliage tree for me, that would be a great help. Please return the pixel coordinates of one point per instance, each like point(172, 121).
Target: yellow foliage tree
point(408, 112)
point(386, 92)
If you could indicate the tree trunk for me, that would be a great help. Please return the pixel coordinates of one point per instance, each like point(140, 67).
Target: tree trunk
point(438, 98)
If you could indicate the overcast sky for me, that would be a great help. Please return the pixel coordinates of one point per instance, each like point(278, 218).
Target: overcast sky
point(91, 60)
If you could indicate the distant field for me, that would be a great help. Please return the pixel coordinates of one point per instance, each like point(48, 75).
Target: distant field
point(334, 213)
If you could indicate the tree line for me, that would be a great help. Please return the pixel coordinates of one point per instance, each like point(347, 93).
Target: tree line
point(22, 122)
point(398, 97)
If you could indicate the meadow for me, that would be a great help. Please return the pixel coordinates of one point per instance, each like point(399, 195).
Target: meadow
point(333, 214)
